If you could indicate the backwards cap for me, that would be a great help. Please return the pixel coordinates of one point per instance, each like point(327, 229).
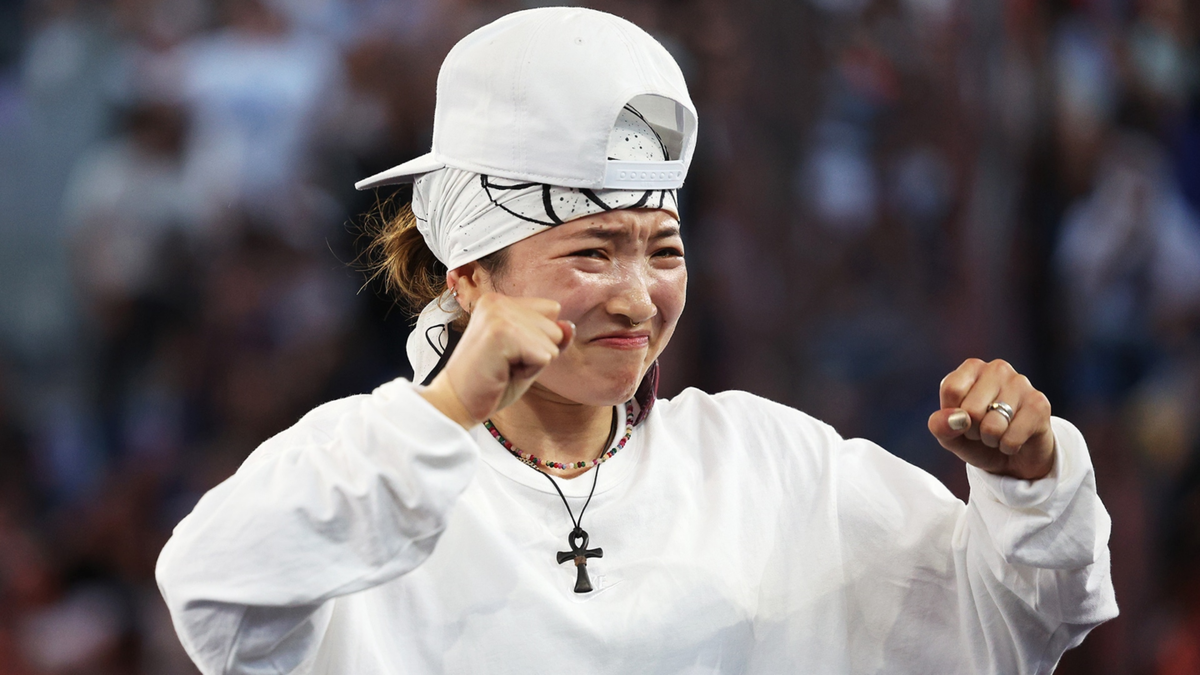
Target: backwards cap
point(534, 95)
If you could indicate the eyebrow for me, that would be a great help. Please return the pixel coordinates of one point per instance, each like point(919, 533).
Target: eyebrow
point(611, 234)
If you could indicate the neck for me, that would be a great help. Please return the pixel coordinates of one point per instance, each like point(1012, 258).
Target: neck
point(556, 430)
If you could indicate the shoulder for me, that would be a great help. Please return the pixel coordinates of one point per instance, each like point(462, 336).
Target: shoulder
point(316, 427)
point(322, 420)
point(693, 406)
point(395, 403)
point(392, 405)
point(763, 428)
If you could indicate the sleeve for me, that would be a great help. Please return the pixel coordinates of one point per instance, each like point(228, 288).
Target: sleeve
point(1002, 585)
point(352, 496)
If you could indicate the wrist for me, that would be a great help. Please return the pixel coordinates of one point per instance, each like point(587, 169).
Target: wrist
point(1036, 466)
point(441, 395)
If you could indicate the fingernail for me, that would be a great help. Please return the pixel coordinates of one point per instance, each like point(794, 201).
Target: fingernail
point(959, 420)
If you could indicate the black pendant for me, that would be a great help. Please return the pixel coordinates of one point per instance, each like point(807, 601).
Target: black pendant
point(578, 541)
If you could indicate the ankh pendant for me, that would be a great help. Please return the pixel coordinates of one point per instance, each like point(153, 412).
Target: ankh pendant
point(578, 541)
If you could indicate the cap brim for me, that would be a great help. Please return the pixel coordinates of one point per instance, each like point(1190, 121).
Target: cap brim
point(404, 173)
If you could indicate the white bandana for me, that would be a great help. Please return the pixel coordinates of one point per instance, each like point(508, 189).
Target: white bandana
point(465, 216)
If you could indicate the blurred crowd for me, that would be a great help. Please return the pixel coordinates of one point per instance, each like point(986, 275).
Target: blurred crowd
point(882, 188)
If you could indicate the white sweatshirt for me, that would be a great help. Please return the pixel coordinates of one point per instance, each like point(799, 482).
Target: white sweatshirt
point(739, 536)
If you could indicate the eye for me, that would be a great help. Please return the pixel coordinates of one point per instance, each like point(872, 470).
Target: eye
point(588, 253)
point(669, 252)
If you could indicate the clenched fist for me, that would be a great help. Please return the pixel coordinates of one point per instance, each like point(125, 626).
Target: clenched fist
point(507, 344)
point(968, 426)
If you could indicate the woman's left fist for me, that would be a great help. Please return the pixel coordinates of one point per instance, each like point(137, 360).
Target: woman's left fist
point(994, 419)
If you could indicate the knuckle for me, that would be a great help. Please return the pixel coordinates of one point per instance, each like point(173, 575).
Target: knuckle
point(991, 427)
point(956, 394)
point(975, 406)
point(501, 332)
point(488, 330)
point(1040, 404)
point(1000, 366)
point(954, 386)
point(971, 363)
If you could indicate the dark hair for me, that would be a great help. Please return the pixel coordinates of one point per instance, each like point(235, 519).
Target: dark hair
point(397, 254)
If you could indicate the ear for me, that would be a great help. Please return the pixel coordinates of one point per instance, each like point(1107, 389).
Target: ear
point(471, 281)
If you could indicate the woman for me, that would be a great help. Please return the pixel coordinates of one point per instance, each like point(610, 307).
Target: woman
point(529, 507)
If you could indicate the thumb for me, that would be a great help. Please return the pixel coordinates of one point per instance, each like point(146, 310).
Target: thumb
point(949, 423)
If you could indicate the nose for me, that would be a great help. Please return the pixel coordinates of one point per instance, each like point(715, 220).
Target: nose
point(631, 298)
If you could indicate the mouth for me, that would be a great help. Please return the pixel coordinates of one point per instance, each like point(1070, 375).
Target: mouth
point(624, 340)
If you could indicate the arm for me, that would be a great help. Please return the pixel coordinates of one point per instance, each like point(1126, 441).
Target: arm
point(1048, 542)
point(352, 496)
point(1004, 584)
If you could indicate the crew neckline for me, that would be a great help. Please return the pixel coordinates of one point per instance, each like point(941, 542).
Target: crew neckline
point(615, 468)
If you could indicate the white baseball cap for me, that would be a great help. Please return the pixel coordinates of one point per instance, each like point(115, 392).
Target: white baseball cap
point(535, 94)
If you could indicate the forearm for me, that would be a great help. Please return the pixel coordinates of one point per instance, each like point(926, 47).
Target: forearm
point(1047, 540)
point(1032, 567)
point(1002, 585)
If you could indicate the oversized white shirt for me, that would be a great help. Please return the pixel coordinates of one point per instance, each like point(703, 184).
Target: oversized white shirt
point(740, 536)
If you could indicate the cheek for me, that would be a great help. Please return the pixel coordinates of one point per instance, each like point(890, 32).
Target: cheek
point(670, 294)
point(578, 293)
point(550, 282)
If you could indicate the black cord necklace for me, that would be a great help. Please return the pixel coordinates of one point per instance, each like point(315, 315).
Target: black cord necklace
point(578, 539)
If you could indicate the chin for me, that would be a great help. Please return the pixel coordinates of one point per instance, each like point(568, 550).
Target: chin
point(599, 386)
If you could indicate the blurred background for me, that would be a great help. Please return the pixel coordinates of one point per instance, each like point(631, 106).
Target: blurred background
point(882, 189)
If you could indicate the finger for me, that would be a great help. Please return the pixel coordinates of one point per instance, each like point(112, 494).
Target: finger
point(548, 328)
point(955, 386)
point(974, 453)
point(1031, 419)
point(523, 339)
point(547, 308)
point(542, 315)
point(568, 330)
point(985, 390)
point(493, 301)
point(994, 424)
point(949, 423)
point(532, 359)
point(544, 335)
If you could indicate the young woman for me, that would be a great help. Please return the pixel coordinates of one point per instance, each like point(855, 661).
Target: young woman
point(525, 505)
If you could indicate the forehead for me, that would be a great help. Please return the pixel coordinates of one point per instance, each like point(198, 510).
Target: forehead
point(617, 224)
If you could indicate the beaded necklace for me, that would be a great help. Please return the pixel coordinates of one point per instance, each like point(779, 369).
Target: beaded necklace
point(536, 462)
point(578, 538)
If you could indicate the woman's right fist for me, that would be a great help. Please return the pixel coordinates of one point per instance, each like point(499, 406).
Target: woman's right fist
point(507, 344)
